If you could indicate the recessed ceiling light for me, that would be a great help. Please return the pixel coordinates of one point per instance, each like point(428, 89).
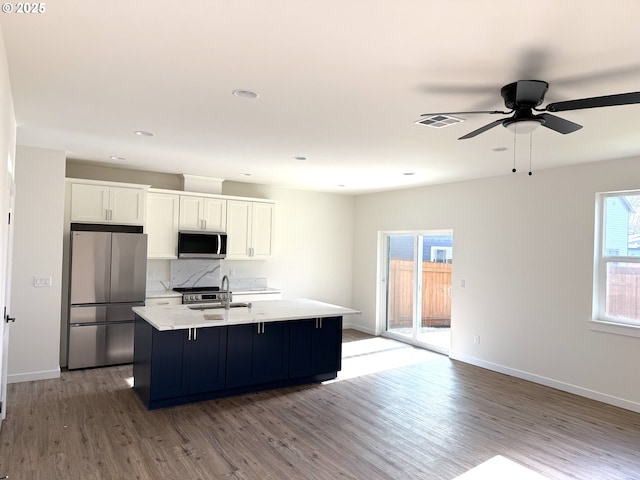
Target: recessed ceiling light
point(245, 174)
point(115, 157)
point(300, 158)
point(500, 149)
point(142, 133)
point(244, 93)
point(408, 174)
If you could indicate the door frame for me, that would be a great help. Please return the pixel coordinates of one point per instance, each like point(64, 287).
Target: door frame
point(381, 291)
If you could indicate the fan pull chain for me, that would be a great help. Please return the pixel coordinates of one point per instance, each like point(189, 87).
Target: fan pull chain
point(530, 149)
point(514, 148)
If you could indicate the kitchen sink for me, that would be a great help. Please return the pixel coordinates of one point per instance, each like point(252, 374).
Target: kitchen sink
point(218, 306)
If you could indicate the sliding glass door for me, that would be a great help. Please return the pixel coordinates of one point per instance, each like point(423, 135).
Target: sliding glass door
point(418, 287)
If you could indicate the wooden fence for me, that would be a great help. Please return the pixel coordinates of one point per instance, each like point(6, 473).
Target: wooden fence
point(436, 289)
point(623, 291)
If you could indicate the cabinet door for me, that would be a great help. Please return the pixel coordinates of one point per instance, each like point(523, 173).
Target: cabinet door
point(262, 222)
point(214, 214)
point(169, 368)
point(190, 213)
point(271, 352)
point(126, 205)
point(315, 346)
point(89, 203)
point(238, 229)
point(257, 355)
point(240, 355)
point(162, 225)
point(300, 362)
point(326, 346)
point(208, 360)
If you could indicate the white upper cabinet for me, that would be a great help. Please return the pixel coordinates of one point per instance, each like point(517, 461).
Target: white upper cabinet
point(107, 204)
point(162, 225)
point(250, 228)
point(203, 213)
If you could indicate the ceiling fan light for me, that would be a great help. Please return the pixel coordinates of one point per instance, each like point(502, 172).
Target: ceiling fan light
point(523, 126)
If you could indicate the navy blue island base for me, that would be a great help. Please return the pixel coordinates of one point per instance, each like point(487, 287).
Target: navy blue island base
point(175, 367)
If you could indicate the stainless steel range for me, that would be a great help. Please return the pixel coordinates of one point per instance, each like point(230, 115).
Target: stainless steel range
point(200, 294)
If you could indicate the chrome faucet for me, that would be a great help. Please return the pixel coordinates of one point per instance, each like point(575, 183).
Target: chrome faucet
point(226, 292)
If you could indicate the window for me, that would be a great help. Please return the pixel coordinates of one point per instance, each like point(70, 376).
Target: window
point(617, 269)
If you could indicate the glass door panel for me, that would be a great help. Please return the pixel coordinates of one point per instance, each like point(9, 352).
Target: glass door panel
point(401, 275)
point(435, 279)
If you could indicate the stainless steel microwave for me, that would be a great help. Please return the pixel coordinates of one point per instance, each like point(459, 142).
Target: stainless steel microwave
point(202, 245)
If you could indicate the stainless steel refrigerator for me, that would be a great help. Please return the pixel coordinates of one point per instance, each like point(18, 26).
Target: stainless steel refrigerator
point(108, 278)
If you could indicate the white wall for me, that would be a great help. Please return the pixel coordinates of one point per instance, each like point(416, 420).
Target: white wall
point(524, 246)
point(313, 244)
point(39, 215)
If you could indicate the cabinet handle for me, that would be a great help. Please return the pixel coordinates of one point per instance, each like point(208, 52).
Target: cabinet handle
point(195, 334)
point(189, 337)
point(205, 224)
point(258, 329)
point(106, 214)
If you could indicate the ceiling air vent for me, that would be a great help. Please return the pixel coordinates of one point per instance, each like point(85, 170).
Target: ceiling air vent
point(439, 121)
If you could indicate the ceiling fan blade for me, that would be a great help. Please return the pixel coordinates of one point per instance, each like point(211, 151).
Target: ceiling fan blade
point(595, 102)
point(489, 126)
point(558, 124)
point(466, 113)
point(530, 92)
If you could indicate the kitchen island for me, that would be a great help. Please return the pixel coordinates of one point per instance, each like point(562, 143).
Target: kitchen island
point(189, 353)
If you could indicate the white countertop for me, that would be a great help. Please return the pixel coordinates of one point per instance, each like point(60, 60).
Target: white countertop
point(179, 317)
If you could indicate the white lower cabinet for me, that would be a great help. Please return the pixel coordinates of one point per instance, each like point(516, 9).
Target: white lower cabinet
point(162, 225)
point(152, 301)
point(250, 228)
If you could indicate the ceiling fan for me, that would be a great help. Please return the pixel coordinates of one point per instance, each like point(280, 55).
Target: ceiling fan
point(522, 99)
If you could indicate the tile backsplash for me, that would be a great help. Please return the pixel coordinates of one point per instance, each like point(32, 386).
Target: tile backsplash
point(195, 273)
point(167, 274)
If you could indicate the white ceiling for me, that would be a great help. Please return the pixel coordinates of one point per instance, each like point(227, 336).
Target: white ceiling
point(340, 82)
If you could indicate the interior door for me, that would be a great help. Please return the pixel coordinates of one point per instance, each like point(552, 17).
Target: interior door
point(7, 319)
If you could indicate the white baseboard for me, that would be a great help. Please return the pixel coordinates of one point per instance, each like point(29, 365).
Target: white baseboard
point(549, 382)
point(31, 376)
point(360, 328)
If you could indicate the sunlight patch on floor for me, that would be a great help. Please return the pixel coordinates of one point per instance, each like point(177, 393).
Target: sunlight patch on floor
point(373, 355)
point(500, 468)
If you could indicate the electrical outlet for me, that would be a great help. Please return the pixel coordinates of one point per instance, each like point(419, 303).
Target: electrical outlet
point(42, 281)
point(476, 339)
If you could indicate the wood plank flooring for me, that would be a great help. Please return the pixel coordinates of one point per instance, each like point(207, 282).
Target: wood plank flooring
point(395, 412)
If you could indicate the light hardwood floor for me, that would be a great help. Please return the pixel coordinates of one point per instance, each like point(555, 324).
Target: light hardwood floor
point(396, 412)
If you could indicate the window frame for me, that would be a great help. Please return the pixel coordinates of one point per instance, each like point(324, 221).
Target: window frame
point(600, 321)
